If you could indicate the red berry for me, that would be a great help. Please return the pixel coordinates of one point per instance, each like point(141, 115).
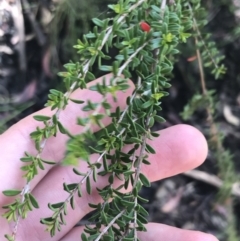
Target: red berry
point(145, 27)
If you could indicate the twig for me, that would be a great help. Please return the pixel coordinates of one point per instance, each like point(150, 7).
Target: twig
point(195, 27)
point(212, 180)
point(38, 32)
point(110, 225)
point(19, 23)
point(130, 59)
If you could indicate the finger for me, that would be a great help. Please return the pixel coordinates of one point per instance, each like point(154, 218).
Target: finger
point(179, 148)
point(165, 232)
point(175, 152)
point(16, 140)
point(155, 232)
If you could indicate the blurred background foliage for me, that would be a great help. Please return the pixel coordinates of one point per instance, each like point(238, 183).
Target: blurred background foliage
point(44, 41)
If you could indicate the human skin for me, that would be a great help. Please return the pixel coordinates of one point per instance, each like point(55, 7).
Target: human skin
point(179, 148)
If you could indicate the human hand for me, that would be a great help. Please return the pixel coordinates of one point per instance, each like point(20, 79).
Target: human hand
point(178, 149)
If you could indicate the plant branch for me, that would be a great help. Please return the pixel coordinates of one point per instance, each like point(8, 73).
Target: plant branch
point(212, 180)
point(68, 93)
point(195, 27)
point(110, 225)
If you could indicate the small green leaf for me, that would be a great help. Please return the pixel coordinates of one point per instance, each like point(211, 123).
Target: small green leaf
point(72, 186)
point(155, 134)
point(94, 174)
point(79, 191)
point(142, 219)
point(146, 162)
point(82, 121)
point(88, 186)
point(135, 140)
point(56, 205)
point(127, 239)
point(115, 7)
point(84, 237)
point(77, 101)
point(150, 149)
point(94, 150)
point(9, 238)
point(91, 205)
point(78, 173)
point(90, 76)
point(98, 22)
point(106, 105)
point(142, 210)
point(11, 192)
point(111, 179)
point(142, 199)
point(61, 128)
point(144, 180)
point(33, 201)
point(147, 104)
point(48, 162)
point(106, 68)
point(72, 203)
point(159, 119)
point(41, 118)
